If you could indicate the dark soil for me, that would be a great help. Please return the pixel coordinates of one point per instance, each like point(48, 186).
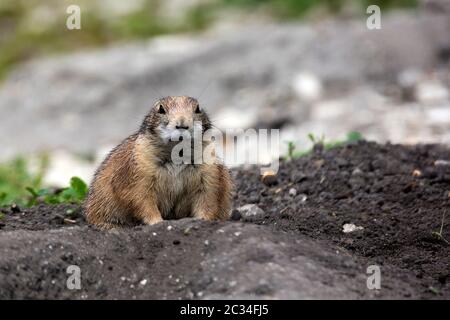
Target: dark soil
point(372, 186)
point(296, 249)
point(41, 217)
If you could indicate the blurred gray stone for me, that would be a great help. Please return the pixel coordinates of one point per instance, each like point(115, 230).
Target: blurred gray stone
point(250, 210)
point(331, 78)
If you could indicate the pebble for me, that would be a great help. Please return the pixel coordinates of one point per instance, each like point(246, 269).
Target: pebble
point(15, 208)
point(250, 210)
point(307, 86)
point(417, 173)
point(439, 163)
point(303, 197)
point(350, 227)
point(114, 231)
point(143, 282)
point(69, 221)
point(269, 178)
point(431, 91)
point(292, 192)
point(357, 172)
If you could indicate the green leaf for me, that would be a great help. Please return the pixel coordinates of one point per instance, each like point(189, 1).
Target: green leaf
point(3, 196)
point(353, 136)
point(51, 199)
point(79, 187)
point(43, 192)
point(33, 192)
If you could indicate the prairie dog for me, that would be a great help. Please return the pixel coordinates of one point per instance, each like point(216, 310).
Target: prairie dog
point(139, 182)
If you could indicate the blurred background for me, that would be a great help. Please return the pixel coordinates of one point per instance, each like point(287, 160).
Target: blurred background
point(303, 66)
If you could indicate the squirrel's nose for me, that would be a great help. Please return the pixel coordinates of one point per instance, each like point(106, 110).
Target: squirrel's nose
point(182, 127)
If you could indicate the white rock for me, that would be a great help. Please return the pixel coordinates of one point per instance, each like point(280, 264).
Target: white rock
point(409, 78)
point(250, 210)
point(438, 163)
point(292, 192)
point(143, 282)
point(438, 115)
point(330, 109)
point(431, 91)
point(307, 86)
point(303, 197)
point(350, 227)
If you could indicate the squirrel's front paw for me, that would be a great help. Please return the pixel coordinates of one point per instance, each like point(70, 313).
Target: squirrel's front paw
point(151, 221)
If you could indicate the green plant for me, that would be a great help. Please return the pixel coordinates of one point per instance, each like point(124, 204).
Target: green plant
point(16, 176)
point(23, 186)
point(75, 193)
point(352, 136)
point(294, 9)
point(434, 290)
point(439, 234)
point(291, 148)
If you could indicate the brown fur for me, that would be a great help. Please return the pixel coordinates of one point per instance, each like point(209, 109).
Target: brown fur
point(138, 181)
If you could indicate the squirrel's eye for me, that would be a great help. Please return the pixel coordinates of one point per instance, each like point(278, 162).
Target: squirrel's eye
point(161, 110)
point(197, 109)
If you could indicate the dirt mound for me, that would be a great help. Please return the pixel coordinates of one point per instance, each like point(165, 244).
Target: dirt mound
point(391, 197)
point(396, 193)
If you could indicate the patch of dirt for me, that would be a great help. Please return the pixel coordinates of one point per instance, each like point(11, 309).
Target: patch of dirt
point(41, 217)
point(372, 186)
point(296, 248)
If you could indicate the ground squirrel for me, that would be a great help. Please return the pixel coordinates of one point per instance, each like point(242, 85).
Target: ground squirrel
point(139, 182)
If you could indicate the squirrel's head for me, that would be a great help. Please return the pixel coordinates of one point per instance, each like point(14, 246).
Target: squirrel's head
point(172, 116)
